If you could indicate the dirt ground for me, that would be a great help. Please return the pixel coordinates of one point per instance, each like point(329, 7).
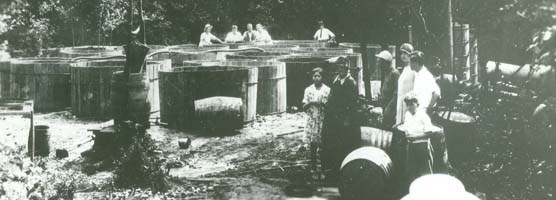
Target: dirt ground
point(256, 162)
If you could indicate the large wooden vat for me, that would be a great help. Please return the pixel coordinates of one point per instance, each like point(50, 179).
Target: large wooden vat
point(271, 86)
point(303, 43)
point(314, 49)
point(180, 87)
point(262, 56)
point(91, 51)
point(364, 174)
point(298, 76)
point(194, 53)
point(371, 68)
point(5, 78)
point(218, 114)
point(90, 88)
point(138, 106)
point(46, 81)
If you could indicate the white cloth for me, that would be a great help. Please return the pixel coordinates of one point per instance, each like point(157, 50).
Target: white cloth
point(323, 34)
point(315, 112)
point(233, 37)
point(263, 37)
point(417, 124)
point(405, 85)
point(206, 39)
point(424, 87)
point(342, 80)
point(312, 94)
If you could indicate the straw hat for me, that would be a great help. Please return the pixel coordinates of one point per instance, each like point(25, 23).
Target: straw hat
point(407, 48)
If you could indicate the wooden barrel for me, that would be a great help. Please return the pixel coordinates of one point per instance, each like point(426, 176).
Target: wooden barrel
point(42, 141)
point(91, 51)
point(461, 130)
point(364, 174)
point(192, 52)
point(303, 43)
point(5, 78)
point(331, 50)
point(219, 113)
point(138, 105)
point(46, 81)
point(355, 63)
point(262, 56)
point(298, 76)
point(179, 88)
point(271, 47)
point(372, 50)
point(271, 86)
point(90, 88)
point(376, 138)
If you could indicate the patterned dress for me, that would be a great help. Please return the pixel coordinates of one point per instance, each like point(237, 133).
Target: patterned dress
point(315, 113)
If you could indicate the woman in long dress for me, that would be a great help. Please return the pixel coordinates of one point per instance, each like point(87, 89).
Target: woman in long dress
point(314, 101)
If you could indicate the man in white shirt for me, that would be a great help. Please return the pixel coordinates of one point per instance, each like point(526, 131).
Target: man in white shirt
point(249, 35)
point(207, 37)
point(233, 36)
point(425, 86)
point(262, 35)
point(323, 34)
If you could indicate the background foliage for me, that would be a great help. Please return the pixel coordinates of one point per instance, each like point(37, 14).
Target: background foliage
point(503, 26)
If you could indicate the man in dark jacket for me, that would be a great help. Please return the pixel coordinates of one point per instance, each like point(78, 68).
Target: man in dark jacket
point(340, 133)
point(388, 89)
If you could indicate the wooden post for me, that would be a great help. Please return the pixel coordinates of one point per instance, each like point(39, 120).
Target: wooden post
point(451, 42)
point(410, 33)
point(143, 31)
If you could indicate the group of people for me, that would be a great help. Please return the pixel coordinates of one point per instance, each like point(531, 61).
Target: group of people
point(260, 35)
point(407, 98)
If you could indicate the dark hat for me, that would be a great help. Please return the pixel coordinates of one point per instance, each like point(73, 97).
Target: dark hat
point(417, 56)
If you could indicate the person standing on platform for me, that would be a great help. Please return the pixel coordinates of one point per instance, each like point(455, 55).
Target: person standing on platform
point(233, 36)
point(388, 89)
point(314, 101)
point(323, 34)
point(405, 82)
point(340, 132)
point(207, 37)
point(263, 37)
point(249, 35)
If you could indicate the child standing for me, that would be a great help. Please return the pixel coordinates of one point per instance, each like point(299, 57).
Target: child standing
point(314, 101)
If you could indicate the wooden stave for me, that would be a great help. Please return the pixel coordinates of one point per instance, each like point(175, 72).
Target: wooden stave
point(5, 78)
point(138, 105)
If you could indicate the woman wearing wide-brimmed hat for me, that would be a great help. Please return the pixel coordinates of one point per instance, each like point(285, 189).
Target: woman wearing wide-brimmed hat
point(207, 37)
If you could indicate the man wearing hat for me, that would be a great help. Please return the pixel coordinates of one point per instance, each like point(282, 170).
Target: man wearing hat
point(405, 81)
point(388, 89)
point(340, 132)
point(207, 37)
point(323, 34)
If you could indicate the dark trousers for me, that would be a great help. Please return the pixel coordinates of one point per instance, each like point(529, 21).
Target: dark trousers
point(338, 140)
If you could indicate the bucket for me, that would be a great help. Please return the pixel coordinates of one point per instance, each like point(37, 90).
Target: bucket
point(460, 130)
